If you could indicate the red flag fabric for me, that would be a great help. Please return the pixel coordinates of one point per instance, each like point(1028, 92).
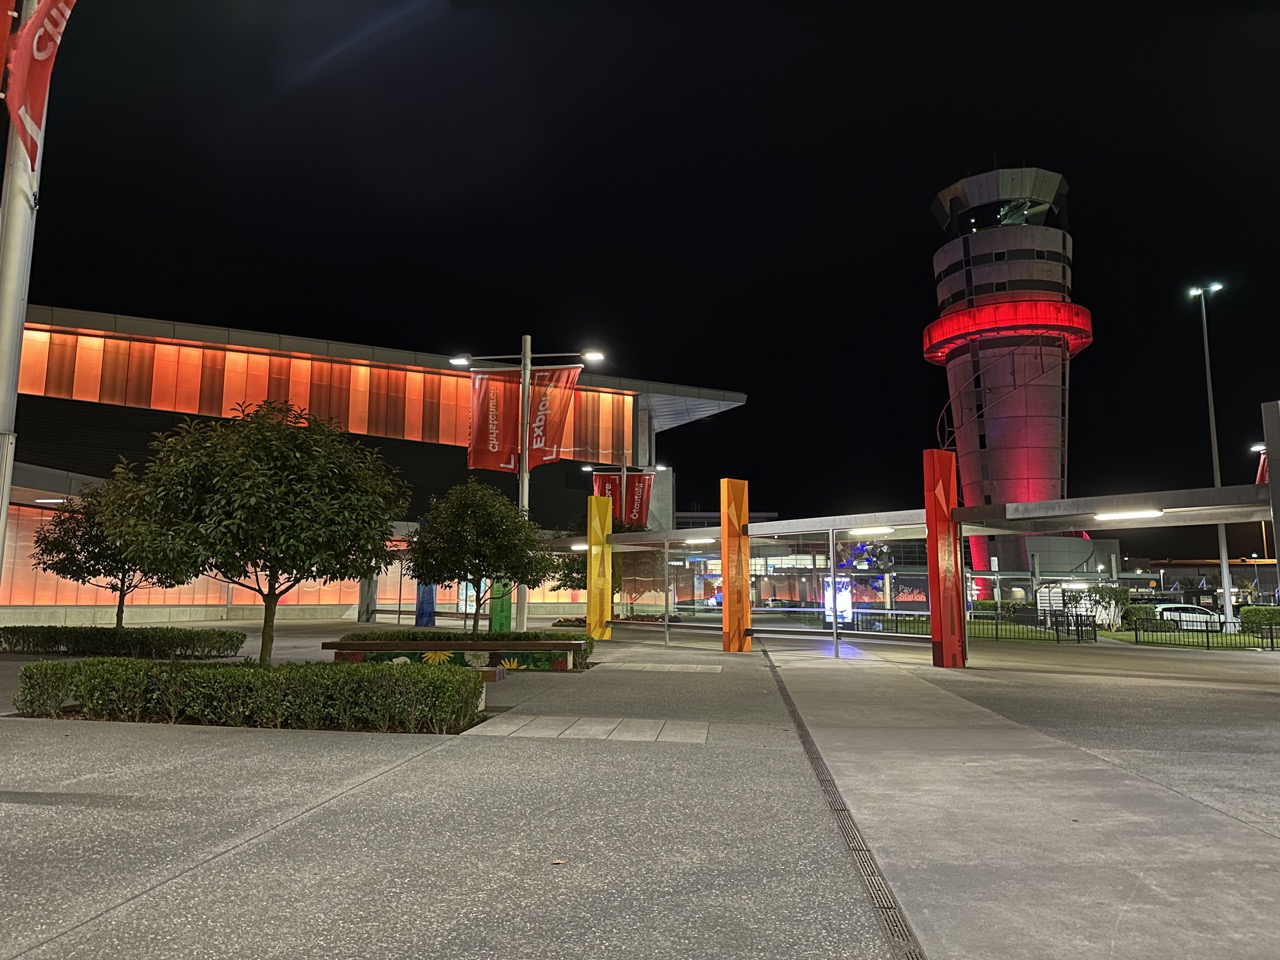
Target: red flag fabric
point(1263, 472)
point(495, 421)
point(550, 400)
point(494, 443)
point(634, 507)
point(607, 485)
point(30, 69)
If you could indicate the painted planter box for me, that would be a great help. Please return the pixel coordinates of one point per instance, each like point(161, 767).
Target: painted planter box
point(556, 660)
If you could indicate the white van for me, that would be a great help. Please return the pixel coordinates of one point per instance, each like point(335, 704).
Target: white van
point(1188, 616)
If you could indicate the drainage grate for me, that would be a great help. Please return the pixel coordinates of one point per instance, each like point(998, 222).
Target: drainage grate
point(878, 890)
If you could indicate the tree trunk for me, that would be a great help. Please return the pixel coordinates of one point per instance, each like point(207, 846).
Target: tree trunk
point(269, 601)
point(120, 610)
point(475, 617)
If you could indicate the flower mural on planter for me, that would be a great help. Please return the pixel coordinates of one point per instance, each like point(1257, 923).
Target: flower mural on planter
point(437, 656)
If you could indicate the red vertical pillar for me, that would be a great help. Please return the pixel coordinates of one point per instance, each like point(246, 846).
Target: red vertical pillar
point(946, 573)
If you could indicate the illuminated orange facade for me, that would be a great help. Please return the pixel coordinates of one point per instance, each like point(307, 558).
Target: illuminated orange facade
point(383, 400)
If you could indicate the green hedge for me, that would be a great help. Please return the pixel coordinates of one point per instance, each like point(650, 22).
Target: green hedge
point(156, 643)
point(370, 697)
point(1135, 612)
point(463, 638)
point(1253, 619)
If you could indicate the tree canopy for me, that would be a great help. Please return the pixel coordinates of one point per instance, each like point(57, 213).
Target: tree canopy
point(74, 545)
point(266, 500)
point(474, 534)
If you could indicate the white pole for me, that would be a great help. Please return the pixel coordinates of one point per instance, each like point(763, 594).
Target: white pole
point(18, 208)
point(526, 368)
point(1224, 562)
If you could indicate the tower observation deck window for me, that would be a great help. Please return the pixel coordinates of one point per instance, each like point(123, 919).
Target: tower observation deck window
point(1011, 213)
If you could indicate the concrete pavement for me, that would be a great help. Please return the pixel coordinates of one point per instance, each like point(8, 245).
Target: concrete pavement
point(676, 801)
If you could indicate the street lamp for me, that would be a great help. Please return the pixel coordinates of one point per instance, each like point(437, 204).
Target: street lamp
point(1255, 573)
point(525, 357)
point(1263, 477)
point(1202, 293)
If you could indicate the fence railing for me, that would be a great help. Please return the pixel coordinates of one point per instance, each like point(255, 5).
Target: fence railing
point(1207, 634)
point(1056, 625)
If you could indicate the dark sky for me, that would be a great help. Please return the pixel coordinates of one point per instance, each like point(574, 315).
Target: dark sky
point(726, 195)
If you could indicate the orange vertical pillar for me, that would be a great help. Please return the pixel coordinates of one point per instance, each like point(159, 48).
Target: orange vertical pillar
point(735, 566)
point(946, 573)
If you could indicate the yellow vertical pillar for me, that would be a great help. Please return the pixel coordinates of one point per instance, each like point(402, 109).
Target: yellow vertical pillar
point(735, 566)
point(599, 568)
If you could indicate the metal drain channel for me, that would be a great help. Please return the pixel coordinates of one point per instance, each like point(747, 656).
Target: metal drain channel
point(878, 891)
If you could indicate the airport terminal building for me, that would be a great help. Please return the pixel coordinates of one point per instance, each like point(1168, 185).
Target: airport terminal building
point(96, 387)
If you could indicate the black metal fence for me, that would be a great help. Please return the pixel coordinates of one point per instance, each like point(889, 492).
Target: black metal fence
point(1056, 625)
point(1206, 634)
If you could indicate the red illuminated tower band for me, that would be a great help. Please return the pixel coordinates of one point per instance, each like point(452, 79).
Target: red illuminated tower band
point(1006, 332)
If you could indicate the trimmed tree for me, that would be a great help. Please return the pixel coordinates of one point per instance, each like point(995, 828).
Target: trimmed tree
point(266, 500)
point(571, 568)
point(74, 545)
point(475, 535)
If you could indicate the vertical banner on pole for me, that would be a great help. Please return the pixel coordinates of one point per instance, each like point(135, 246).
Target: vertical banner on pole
point(735, 566)
point(942, 542)
point(599, 568)
point(500, 607)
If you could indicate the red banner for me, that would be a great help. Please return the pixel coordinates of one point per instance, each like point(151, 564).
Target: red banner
point(636, 507)
point(495, 417)
point(30, 69)
point(550, 400)
point(495, 421)
point(606, 485)
point(632, 509)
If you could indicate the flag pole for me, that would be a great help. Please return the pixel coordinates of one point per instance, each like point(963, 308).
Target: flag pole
point(19, 198)
point(34, 46)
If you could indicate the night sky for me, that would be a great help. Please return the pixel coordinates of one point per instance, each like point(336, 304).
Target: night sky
point(726, 195)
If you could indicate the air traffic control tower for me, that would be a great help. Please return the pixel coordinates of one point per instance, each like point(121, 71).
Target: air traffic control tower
point(1006, 331)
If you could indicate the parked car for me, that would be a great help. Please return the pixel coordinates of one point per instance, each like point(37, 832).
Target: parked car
point(1188, 616)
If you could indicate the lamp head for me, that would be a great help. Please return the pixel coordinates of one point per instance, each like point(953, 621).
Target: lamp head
point(592, 356)
point(461, 360)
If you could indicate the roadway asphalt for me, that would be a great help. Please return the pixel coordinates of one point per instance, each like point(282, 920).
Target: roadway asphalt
point(676, 801)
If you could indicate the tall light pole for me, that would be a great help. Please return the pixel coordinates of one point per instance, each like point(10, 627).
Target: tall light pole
point(1264, 476)
point(525, 357)
point(1202, 294)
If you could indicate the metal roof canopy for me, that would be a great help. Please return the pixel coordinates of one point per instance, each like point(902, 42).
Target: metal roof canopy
point(1182, 508)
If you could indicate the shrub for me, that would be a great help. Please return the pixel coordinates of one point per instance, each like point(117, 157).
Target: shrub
point(1255, 619)
point(159, 643)
point(112, 688)
point(44, 688)
point(1135, 612)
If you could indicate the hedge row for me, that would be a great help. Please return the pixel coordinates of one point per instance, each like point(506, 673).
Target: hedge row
point(155, 643)
point(463, 638)
point(372, 697)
